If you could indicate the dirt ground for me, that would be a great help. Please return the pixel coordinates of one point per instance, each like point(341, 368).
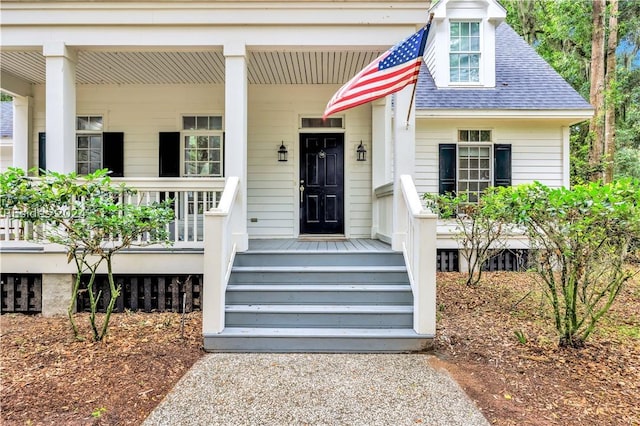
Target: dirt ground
point(48, 378)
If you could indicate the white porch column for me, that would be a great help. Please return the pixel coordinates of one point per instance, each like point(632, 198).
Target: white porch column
point(235, 119)
point(21, 131)
point(403, 160)
point(381, 152)
point(61, 106)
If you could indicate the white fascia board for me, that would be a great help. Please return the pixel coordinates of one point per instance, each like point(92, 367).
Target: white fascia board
point(574, 116)
point(212, 13)
point(293, 36)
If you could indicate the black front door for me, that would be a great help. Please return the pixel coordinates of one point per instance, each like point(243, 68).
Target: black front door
point(322, 183)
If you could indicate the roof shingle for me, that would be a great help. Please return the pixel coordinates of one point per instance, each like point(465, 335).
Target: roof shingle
point(524, 81)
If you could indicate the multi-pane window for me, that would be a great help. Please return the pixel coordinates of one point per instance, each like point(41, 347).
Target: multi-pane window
point(464, 52)
point(202, 137)
point(88, 144)
point(474, 162)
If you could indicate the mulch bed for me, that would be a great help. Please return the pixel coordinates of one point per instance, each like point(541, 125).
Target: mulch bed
point(49, 378)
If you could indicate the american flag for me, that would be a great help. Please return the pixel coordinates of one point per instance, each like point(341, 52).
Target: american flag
point(387, 74)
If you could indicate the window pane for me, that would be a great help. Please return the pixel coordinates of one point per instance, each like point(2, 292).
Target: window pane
point(191, 141)
point(95, 156)
point(474, 44)
point(464, 61)
point(83, 169)
point(83, 155)
point(203, 142)
point(484, 163)
point(454, 75)
point(203, 155)
point(484, 151)
point(474, 60)
point(455, 44)
point(464, 75)
point(190, 155)
point(83, 142)
point(202, 123)
point(464, 174)
point(474, 75)
point(464, 28)
point(82, 123)
point(455, 29)
point(214, 141)
point(464, 44)
point(96, 142)
point(214, 155)
point(463, 135)
point(215, 169)
point(475, 28)
point(454, 60)
point(190, 168)
point(188, 123)
point(474, 135)
point(215, 123)
point(485, 135)
point(203, 169)
point(95, 123)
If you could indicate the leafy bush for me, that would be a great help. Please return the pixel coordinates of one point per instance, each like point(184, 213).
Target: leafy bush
point(580, 240)
point(91, 217)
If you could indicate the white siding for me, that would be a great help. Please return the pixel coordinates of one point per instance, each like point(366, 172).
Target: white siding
point(274, 114)
point(142, 111)
point(536, 148)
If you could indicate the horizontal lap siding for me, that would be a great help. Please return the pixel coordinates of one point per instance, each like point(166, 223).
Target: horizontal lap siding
point(536, 149)
point(273, 195)
point(141, 112)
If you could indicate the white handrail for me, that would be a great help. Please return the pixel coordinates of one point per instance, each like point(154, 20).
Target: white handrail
point(219, 253)
point(419, 250)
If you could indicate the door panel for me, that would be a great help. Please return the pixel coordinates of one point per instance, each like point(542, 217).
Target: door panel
point(322, 181)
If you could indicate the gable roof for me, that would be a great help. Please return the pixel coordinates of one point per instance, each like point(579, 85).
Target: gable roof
point(6, 119)
point(524, 81)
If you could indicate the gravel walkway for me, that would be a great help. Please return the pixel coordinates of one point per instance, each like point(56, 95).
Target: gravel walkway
point(316, 389)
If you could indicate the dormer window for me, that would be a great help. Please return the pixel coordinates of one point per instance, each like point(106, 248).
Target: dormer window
point(464, 52)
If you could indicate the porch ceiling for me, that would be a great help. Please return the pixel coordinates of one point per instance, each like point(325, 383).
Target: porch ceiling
point(194, 67)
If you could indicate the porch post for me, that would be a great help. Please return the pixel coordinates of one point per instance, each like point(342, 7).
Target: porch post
point(235, 119)
point(21, 131)
point(381, 152)
point(404, 149)
point(61, 106)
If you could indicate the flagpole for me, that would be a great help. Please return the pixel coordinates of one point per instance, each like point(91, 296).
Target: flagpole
point(415, 86)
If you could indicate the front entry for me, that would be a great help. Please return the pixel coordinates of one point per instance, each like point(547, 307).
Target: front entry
point(322, 183)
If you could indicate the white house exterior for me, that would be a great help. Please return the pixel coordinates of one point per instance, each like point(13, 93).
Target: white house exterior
point(196, 98)
point(6, 135)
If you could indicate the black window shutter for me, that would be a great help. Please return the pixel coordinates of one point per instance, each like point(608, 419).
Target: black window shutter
point(113, 153)
point(169, 154)
point(447, 168)
point(502, 165)
point(42, 151)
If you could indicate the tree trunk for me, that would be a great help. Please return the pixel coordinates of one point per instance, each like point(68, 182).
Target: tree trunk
point(596, 95)
point(610, 104)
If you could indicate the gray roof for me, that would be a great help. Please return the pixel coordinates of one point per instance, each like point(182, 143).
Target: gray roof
point(6, 119)
point(524, 81)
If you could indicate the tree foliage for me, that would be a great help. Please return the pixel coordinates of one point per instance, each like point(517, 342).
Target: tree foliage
point(580, 239)
point(562, 32)
point(89, 216)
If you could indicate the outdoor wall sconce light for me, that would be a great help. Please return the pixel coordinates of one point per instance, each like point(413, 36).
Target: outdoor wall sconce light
point(361, 153)
point(282, 152)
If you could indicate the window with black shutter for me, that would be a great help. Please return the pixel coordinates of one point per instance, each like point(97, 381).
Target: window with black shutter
point(473, 164)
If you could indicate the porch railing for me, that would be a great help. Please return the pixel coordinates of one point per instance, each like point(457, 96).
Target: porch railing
point(418, 226)
point(219, 253)
point(190, 198)
point(383, 213)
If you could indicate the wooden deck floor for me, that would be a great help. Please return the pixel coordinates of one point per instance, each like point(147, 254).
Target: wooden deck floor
point(346, 245)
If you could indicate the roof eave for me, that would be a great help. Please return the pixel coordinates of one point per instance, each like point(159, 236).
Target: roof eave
point(574, 115)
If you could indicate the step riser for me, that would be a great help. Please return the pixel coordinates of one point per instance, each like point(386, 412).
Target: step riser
point(320, 297)
point(316, 345)
point(337, 320)
point(301, 277)
point(319, 259)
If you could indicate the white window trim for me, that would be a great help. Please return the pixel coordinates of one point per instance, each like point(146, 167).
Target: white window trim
point(201, 132)
point(480, 82)
point(79, 133)
point(489, 144)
